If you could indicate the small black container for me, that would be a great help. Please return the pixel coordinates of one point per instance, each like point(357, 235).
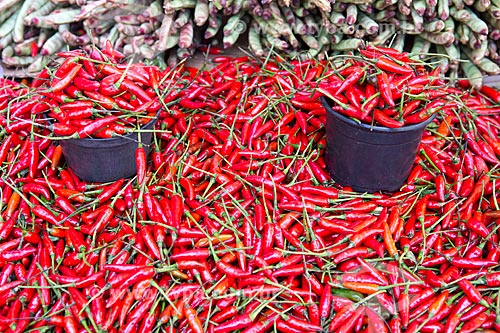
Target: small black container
point(106, 160)
point(369, 158)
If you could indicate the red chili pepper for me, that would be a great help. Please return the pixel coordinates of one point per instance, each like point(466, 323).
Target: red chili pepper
point(110, 190)
point(63, 129)
point(41, 78)
point(231, 270)
point(476, 148)
point(476, 224)
point(127, 85)
point(373, 271)
point(45, 214)
point(33, 153)
point(474, 324)
point(151, 243)
point(476, 191)
point(375, 321)
point(468, 288)
point(437, 304)
point(66, 79)
point(356, 74)
point(384, 120)
point(440, 187)
point(234, 324)
point(193, 320)
point(34, 188)
point(385, 89)
point(388, 65)
point(301, 324)
point(86, 84)
point(95, 125)
point(361, 236)
point(141, 164)
point(371, 101)
point(354, 96)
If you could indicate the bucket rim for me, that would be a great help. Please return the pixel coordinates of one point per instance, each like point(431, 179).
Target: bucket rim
point(117, 138)
point(374, 128)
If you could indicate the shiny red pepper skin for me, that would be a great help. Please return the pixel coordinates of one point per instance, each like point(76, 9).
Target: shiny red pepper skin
point(66, 79)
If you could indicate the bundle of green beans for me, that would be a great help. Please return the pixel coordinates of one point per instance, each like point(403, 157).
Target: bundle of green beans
point(31, 32)
point(466, 31)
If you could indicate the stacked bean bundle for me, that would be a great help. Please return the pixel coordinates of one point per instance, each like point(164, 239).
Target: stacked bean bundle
point(32, 32)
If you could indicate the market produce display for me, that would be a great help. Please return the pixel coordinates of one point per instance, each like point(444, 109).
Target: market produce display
point(363, 87)
point(235, 224)
point(31, 32)
point(111, 99)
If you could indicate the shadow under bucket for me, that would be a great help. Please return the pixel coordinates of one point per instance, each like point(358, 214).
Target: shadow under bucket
point(369, 158)
point(106, 160)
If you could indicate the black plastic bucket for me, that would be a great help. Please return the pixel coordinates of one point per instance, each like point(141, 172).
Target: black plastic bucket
point(369, 158)
point(106, 160)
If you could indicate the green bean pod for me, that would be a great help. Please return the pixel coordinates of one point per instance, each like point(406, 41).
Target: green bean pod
point(310, 41)
point(254, 40)
point(231, 39)
point(43, 10)
point(53, 44)
point(337, 18)
point(419, 6)
point(473, 74)
point(351, 14)
point(63, 16)
point(398, 42)
point(201, 12)
point(367, 23)
point(489, 66)
point(476, 24)
point(482, 5)
point(232, 24)
point(176, 5)
point(182, 18)
point(443, 38)
point(7, 26)
point(24, 48)
point(434, 26)
point(164, 32)
point(443, 9)
point(461, 15)
point(38, 64)
point(214, 25)
point(289, 15)
point(459, 4)
point(186, 35)
point(173, 40)
point(348, 44)
point(9, 12)
point(479, 53)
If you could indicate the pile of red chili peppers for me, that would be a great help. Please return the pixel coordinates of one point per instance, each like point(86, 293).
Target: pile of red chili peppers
point(89, 95)
point(399, 90)
point(236, 226)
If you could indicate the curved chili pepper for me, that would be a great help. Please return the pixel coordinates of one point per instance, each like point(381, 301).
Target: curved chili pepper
point(386, 64)
point(141, 164)
point(36, 189)
point(234, 324)
point(66, 79)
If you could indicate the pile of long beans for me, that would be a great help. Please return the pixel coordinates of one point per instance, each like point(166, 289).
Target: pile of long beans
point(236, 226)
point(32, 32)
point(465, 31)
